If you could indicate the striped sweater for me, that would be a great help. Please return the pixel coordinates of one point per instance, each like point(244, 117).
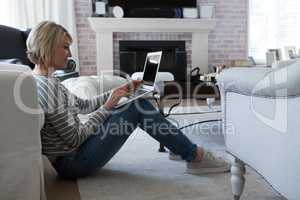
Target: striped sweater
point(63, 132)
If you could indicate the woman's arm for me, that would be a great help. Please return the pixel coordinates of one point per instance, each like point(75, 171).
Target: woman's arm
point(90, 105)
point(62, 118)
point(85, 106)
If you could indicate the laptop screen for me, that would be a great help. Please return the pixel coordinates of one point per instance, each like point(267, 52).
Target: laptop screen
point(151, 66)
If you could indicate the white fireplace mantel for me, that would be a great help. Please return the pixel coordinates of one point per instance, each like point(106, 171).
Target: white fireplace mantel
point(105, 27)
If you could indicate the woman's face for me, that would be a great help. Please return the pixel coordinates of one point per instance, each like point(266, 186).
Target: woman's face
point(62, 53)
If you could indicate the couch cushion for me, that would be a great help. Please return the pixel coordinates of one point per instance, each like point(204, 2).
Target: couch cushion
point(86, 87)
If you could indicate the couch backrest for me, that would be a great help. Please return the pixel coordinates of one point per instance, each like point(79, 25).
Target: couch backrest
point(13, 44)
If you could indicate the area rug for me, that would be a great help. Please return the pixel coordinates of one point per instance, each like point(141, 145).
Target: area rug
point(140, 172)
point(179, 110)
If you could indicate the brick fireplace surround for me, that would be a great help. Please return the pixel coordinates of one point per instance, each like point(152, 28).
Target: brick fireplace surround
point(227, 41)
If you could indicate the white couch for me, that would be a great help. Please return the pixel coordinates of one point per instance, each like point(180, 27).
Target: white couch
point(261, 108)
point(21, 166)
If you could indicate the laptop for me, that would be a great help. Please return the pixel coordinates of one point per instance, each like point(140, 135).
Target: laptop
point(151, 68)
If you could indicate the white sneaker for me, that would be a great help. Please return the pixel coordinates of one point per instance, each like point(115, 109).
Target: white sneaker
point(209, 164)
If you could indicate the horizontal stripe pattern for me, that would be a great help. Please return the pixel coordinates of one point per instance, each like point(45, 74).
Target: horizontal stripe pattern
point(63, 132)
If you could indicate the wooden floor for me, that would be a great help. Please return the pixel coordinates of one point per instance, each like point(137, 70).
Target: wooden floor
point(59, 189)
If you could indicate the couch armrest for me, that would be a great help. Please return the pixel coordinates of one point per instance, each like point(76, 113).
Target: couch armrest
point(241, 79)
point(265, 82)
point(20, 150)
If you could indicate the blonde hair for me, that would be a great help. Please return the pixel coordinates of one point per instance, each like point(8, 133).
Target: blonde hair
point(42, 41)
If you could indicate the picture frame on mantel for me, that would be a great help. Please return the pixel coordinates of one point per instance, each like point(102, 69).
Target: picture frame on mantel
point(273, 56)
point(190, 13)
point(290, 52)
point(207, 11)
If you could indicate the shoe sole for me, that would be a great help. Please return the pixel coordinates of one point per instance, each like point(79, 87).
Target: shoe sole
point(208, 170)
point(175, 158)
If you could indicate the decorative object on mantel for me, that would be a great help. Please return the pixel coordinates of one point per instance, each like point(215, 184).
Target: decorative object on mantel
point(99, 8)
point(117, 12)
point(190, 12)
point(290, 52)
point(273, 56)
point(207, 11)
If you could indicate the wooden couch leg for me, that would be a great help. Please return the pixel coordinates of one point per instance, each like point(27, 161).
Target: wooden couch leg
point(238, 171)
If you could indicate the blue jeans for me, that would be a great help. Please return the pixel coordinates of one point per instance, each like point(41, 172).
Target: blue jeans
point(99, 148)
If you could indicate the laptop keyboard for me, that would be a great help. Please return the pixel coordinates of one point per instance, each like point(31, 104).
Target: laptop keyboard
point(137, 93)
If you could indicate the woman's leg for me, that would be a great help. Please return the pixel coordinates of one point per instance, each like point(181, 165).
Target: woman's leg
point(164, 132)
point(98, 149)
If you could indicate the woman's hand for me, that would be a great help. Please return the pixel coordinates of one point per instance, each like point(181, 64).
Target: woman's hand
point(131, 86)
point(115, 97)
point(122, 91)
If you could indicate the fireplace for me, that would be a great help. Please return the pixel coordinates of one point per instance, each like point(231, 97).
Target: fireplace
point(133, 54)
point(105, 27)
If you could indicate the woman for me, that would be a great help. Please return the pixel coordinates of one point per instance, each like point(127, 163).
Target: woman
point(78, 149)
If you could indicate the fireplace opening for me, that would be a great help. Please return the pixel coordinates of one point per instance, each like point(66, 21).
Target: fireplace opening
point(174, 60)
point(133, 55)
